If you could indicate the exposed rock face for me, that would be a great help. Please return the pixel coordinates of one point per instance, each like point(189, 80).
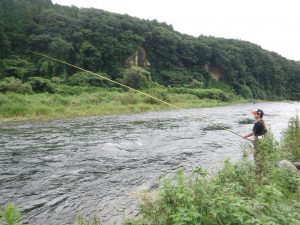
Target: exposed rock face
point(139, 58)
point(285, 164)
point(215, 73)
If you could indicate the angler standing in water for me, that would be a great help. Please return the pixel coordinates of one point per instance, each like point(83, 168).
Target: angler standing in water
point(259, 129)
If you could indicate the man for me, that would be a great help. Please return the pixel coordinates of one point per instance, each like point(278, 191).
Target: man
point(259, 129)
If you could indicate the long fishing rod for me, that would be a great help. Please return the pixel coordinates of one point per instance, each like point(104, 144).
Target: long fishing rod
point(141, 92)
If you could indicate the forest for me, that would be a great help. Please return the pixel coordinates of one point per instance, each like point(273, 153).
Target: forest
point(111, 44)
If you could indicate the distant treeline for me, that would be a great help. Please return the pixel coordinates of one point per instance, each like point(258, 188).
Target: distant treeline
point(104, 42)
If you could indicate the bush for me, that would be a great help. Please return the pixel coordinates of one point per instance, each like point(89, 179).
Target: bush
point(88, 79)
point(242, 175)
point(57, 80)
point(175, 77)
point(42, 85)
point(11, 84)
point(195, 84)
point(17, 67)
point(245, 92)
point(137, 78)
point(196, 199)
point(291, 143)
point(205, 93)
point(286, 179)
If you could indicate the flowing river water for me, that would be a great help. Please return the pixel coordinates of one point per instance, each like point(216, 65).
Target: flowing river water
point(54, 170)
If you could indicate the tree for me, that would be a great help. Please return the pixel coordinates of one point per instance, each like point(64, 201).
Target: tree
point(246, 92)
point(60, 48)
point(137, 78)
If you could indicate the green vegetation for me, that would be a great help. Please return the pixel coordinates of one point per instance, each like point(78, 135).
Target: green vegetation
point(85, 221)
point(76, 101)
point(292, 140)
point(110, 43)
point(243, 193)
point(10, 216)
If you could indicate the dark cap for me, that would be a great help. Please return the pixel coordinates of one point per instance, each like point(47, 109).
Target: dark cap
point(258, 111)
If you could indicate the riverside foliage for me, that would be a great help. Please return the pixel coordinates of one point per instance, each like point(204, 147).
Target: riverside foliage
point(88, 101)
point(88, 94)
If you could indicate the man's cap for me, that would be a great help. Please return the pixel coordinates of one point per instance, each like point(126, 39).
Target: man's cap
point(258, 111)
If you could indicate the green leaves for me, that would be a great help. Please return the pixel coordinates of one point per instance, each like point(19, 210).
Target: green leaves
point(11, 84)
point(10, 216)
point(137, 77)
point(292, 140)
point(102, 42)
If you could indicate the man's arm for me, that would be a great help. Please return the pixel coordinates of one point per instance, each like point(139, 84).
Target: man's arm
point(249, 135)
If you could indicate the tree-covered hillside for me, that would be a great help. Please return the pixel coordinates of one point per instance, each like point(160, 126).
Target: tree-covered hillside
point(105, 42)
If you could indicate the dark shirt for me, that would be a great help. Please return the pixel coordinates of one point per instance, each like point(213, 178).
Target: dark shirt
point(259, 128)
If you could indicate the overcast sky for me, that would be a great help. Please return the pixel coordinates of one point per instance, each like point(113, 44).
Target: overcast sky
point(272, 24)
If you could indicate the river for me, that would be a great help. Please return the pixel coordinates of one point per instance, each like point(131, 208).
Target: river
point(54, 170)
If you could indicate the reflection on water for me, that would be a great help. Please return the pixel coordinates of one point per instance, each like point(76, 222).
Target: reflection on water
point(53, 170)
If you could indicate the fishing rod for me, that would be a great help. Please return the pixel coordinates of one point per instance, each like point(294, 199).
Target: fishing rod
point(138, 91)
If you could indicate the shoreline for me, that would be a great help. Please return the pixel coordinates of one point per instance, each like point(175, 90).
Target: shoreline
point(46, 107)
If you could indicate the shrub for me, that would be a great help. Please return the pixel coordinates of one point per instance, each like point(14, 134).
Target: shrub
point(195, 84)
point(42, 85)
point(246, 92)
point(205, 93)
point(137, 78)
point(291, 143)
point(286, 179)
point(241, 174)
point(268, 155)
point(88, 79)
point(17, 67)
point(11, 84)
point(175, 77)
point(57, 80)
point(68, 90)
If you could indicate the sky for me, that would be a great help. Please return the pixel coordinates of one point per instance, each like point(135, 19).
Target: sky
point(272, 24)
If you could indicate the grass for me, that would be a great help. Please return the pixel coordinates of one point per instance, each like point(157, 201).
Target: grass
point(292, 139)
point(98, 102)
point(10, 216)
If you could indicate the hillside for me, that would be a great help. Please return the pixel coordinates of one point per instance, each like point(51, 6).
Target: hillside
point(105, 42)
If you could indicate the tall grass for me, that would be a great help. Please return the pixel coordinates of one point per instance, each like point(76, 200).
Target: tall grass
point(292, 140)
point(10, 216)
point(98, 101)
point(85, 221)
